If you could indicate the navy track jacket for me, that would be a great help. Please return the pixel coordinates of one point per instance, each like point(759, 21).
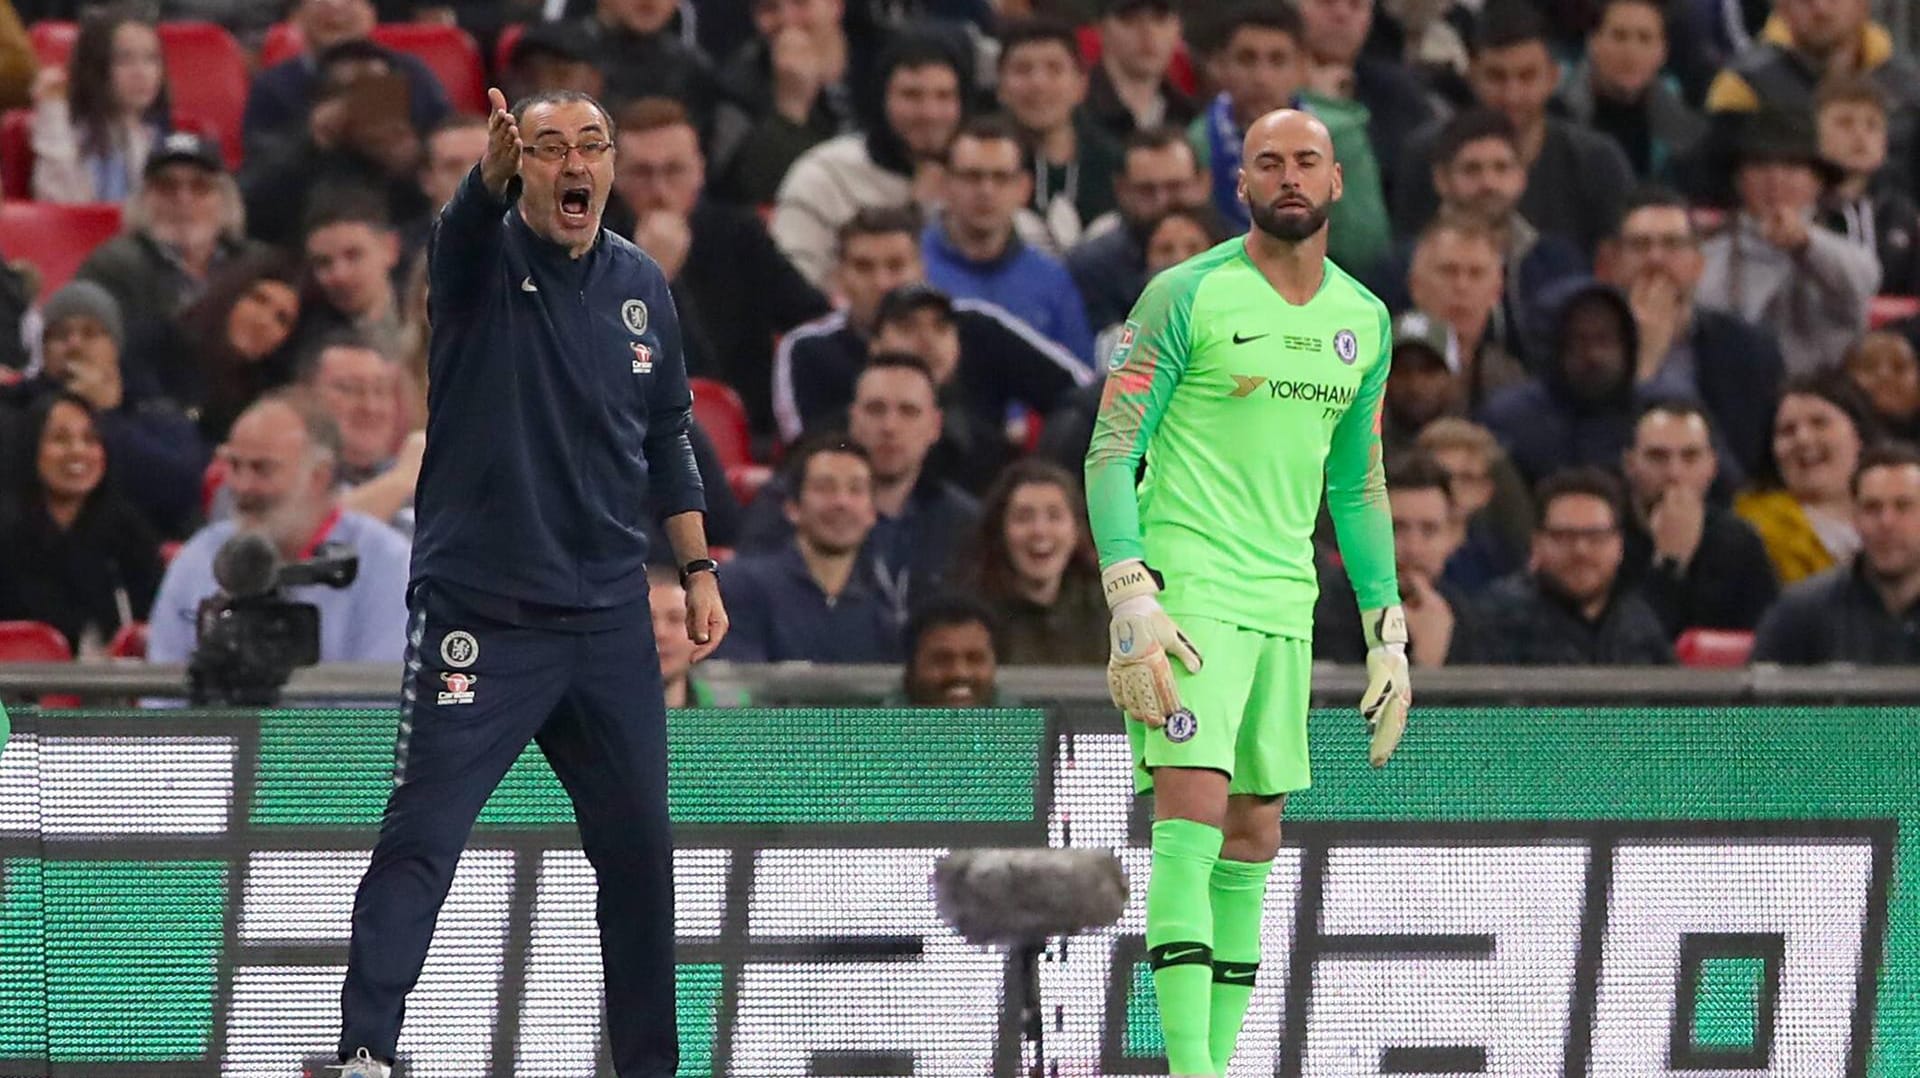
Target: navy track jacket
point(557, 411)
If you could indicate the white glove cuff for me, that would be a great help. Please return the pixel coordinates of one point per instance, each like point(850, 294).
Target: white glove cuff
point(1130, 579)
point(1385, 626)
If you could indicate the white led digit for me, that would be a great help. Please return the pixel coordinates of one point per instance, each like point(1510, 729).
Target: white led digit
point(1812, 893)
point(942, 1006)
point(560, 1010)
point(1514, 1004)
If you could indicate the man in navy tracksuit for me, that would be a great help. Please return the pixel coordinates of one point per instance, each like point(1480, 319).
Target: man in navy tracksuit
point(557, 419)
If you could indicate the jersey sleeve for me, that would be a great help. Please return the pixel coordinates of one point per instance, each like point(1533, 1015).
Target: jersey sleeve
point(1146, 365)
point(1357, 491)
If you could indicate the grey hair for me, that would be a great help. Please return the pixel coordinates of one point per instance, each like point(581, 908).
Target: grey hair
point(323, 434)
point(563, 97)
point(233, 209)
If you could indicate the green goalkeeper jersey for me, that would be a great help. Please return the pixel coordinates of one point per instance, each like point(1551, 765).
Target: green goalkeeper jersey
point(1247, 408)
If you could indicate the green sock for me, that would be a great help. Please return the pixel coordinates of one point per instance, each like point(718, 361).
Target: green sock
point(1238, 889)
point(1180, 939)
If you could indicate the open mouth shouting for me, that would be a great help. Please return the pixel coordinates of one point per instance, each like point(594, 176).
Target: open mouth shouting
point(576, 205)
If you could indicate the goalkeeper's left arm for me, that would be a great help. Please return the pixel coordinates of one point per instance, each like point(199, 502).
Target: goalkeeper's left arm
point(1363, 523)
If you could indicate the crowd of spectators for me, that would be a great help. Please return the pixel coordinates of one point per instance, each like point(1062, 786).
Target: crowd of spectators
point(1652, 370)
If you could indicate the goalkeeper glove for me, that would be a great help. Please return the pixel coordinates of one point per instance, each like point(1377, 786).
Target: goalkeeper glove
point(1139, 678)
point(1389, 689)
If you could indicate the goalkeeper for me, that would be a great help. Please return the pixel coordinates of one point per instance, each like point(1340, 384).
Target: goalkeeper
point(1245, 375)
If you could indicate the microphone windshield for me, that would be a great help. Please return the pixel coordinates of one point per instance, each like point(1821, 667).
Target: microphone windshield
point(246, 565)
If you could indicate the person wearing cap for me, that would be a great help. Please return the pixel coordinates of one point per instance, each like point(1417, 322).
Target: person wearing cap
point(157, 453)
point(1689, 349)
point(283, 95)
point(1806, 286)
point(1000, 359)
point(1801, 46)
point(185, 222)
point(1129, 88)
point(1424, 382)
point(642, 53)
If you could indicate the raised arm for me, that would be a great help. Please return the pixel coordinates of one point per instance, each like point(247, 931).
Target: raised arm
point(467, 237)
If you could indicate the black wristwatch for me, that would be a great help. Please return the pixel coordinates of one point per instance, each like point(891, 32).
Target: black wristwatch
point(698, 565)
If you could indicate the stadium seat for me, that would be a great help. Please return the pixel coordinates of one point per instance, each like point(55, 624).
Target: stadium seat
point(53, 41)
point(207, 79)
point(282, 43)
point(503, 45)
point(55, 238)
point(448, 50)
point(130, 642)
point(16, 153)
point(1884, 311)
point(36, 642)
point(1179, 71)
point(1713, 648)
point(718, 410)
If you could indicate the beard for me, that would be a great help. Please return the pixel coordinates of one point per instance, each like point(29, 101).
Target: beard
point(1288, 225)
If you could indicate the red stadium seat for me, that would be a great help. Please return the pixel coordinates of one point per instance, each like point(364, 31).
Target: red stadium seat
point(207, 79)
point(450, 52)
point(745, 480)
point(1179, 70)
point(1884, 311)
point(16, 153)
point(53, 41)
point(447, 50)
point(55, 238)
point(130, 642)
point(503, 45)
point(36, 642)
point(717, 408)
point(1713, 648)
point(282, 43)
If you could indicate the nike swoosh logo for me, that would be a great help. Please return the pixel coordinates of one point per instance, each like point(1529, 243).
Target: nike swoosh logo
point(1241, 978)
point(1240, 339)
point(527, 285)
point(1175, 956)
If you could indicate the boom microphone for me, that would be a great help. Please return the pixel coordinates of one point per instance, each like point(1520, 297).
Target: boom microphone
point(246, 565)
point(1022, 897)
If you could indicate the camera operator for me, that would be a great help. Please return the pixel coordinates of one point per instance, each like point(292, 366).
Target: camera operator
point(281, 457)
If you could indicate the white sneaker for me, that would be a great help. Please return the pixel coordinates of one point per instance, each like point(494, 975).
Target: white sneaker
point(363, 1065)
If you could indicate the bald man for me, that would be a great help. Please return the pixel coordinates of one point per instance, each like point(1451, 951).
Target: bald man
point(1252, 374)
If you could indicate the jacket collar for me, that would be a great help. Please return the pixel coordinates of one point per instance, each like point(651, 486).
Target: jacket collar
point(1875, 46)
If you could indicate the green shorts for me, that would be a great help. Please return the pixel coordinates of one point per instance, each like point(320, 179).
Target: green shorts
point(1249, 712)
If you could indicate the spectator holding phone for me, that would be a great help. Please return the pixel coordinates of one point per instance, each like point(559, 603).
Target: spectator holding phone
point(95, 122)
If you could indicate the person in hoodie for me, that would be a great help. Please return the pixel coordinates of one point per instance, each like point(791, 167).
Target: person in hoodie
point(1580, 409)
point(899, 161)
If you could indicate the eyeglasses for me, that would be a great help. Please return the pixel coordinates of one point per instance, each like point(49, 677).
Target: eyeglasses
point(1588, 536)
point(1645, 244)
point(556, 152)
